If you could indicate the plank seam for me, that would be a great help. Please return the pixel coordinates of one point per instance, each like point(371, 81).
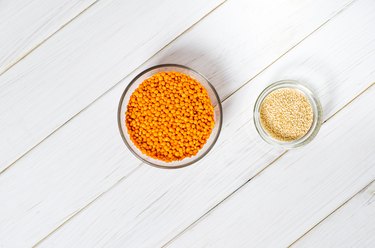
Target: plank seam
point(290, 49)
point(330, 214)
point(88, 205)
point(138, 166)
point(248, 81)
point(114, 86)
point(221, 201)
point(256, 175)
point(21, 57)
point(107, 91)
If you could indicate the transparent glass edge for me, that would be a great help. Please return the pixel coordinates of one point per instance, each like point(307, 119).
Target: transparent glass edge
point(317, 110)
point(120, 108)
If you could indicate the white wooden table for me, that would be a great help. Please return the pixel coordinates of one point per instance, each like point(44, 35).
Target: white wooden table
point(68, 180)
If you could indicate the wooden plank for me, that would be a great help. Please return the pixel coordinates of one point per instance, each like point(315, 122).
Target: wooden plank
point(25, 25)
point(81, 62)
point(63, 165)
point(298, 190)
point(103, 52)
point(151, 206)
point(352, 225)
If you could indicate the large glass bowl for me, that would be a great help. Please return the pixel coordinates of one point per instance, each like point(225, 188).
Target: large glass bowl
point(218, 115)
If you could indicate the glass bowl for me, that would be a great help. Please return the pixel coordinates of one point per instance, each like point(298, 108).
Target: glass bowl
point(315, 104)
point(133, 85)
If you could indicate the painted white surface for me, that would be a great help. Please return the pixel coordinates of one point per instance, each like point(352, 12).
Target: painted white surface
point(297, 190)
point(73, 169)
point(81, 62)
point(171, 200)
point(84, 168)
point(26, 24)
point(350, 226)
point(230, 60)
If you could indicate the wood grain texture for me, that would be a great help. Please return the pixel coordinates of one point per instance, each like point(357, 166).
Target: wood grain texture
point(89, 159)
point(24, 25)
point(81, 62)
point(150, 200)
point(352, 225)
point(299, 189)
point(295, 21)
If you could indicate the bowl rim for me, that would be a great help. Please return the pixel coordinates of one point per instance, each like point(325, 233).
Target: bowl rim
point(119, 122)
point(314, 101)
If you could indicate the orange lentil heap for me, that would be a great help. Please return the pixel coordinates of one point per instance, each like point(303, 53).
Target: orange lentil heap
point(170, 116)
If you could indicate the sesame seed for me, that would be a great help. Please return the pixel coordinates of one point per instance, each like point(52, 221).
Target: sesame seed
point(286, 114)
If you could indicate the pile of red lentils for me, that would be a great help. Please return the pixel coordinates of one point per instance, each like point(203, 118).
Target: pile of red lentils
point(170, 116)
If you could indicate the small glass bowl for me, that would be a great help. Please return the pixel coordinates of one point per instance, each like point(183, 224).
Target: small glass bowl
point(133, 85)
point(315, 104)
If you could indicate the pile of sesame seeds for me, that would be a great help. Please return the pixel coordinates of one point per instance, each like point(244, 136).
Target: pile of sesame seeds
point(286, 114)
